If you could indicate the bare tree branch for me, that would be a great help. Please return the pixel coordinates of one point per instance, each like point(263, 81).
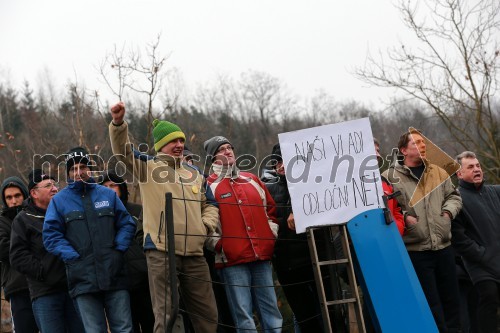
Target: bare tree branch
point(454, 69)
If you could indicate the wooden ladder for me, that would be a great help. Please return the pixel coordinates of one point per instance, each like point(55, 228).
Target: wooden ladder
point(339, 299)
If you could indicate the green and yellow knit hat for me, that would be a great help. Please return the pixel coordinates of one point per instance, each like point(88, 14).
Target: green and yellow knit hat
point(164, 132)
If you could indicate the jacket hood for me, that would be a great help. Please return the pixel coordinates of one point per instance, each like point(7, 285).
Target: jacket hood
point(13, 181)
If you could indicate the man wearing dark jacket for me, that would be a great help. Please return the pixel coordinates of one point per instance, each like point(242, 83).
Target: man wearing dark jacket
point(87, 226)
point(291, 259)
point(476, 234)
point(143, 317)
point(14, 283)
point(52, 306)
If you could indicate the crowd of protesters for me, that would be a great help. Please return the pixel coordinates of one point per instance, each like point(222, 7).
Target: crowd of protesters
point(85, 259)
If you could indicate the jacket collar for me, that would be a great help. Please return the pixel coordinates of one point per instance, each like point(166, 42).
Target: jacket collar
point(168, 159)
point(403, 168)
point(470, 186)
point(226, 171)
point(34, 209)
point(81, 186)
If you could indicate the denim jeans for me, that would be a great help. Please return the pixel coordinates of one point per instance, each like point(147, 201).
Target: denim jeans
point(56, 313)
point(116, 304)
point(247, 288)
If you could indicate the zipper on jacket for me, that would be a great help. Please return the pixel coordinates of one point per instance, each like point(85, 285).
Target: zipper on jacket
point(84, 191)
point(160, 227)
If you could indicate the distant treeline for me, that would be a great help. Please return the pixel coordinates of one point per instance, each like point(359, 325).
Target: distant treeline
point(42, 123)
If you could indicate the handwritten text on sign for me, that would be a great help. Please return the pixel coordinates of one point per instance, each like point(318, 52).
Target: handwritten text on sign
point(332, 173)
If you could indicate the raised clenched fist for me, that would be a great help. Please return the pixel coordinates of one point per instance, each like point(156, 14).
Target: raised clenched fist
point(118, 112)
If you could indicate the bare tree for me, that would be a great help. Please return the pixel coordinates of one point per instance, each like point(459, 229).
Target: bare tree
point(454, 69)
point(220, 99)
point(260, 96)
point(143, 75)
point(264, 99)
point(321, 109)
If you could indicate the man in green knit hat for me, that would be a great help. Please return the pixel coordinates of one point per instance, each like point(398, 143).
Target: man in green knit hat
point(195, 216)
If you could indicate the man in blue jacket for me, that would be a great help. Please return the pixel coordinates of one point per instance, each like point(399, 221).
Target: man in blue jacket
point(87, 226)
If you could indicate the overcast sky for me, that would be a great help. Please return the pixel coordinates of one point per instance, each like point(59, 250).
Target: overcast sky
point(309, 45)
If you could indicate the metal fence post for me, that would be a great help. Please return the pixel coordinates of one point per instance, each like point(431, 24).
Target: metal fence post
point(172, 269)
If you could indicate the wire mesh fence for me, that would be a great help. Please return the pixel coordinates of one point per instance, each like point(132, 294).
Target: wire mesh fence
point(289, 323)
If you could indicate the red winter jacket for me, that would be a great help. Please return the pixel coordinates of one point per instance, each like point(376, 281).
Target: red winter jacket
point(394, 207)
point(248, 227)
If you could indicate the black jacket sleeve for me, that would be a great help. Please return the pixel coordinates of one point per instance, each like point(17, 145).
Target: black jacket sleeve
point(4, 239)
point(21, 257)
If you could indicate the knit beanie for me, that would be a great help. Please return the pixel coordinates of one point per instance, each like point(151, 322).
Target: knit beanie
point(36, 176)
point(164, 132)
point(77, 155)
point(276, 153)
point(212, 145)
point(110, 175)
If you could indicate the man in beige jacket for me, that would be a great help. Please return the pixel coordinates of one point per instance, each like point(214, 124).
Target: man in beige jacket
point(429, 202)
point(194, 218)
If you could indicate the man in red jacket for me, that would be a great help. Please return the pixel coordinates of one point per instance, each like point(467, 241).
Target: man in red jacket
point(244, 239)
point(392, 203)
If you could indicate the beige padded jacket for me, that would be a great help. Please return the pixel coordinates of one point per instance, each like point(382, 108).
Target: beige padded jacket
point(435, 194)
point(194, 218)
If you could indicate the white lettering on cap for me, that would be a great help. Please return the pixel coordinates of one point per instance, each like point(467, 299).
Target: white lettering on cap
point(76, 154)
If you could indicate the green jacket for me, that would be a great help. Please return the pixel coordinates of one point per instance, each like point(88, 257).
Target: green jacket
point(432, 196)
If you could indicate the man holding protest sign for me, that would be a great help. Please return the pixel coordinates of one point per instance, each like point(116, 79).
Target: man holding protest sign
point(333, 178)
point(291, 259)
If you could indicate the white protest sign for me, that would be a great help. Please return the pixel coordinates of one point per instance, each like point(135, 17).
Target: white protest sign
point(332, 173)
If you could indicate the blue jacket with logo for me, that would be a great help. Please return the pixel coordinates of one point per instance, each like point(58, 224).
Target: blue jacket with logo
point(87, 226)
